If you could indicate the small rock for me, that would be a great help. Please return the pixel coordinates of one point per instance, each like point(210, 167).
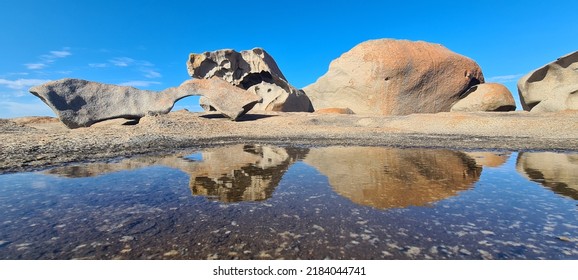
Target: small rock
point(413, 251)
point(486, 97)
point(126, 238)
point(465, 252)
point(319, 228)
point(386, 254)
point(567, 239)
point(486, 255)
point(171, 253)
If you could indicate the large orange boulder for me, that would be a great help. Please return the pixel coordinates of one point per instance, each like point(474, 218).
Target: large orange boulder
point(395, 77)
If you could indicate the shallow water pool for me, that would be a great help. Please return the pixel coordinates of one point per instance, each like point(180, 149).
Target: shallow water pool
point(269, 202)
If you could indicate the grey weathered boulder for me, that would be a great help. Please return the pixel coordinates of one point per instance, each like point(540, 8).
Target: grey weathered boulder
point(253, 70)
point(486, 98)
point(81, 103)
point(395, 77)
point(551, 88)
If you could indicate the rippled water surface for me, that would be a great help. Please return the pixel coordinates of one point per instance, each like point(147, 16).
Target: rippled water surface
point(267, 202)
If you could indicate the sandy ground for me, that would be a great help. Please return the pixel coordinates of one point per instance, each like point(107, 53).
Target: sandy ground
point(36, 142)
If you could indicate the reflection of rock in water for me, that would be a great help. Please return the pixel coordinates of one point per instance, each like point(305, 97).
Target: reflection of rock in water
point(242, 172)
point(559, 172)
point(489, 159)
point(394, 178)
point(232, 173)
point(101, 168)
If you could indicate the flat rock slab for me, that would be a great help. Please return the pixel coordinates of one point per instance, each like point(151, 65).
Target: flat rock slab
point(81, 103)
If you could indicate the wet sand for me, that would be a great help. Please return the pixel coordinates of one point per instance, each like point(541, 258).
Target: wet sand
point(37, 142)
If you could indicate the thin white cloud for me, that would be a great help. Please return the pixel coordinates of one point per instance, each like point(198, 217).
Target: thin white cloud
point(140, 83)
point(504, 78)
point(21, 83)
point(60, 54)
point(149, 73)
point(143, 66)
point(122, 61)
point(97, 65)
point(47, 59)
point(35, 66)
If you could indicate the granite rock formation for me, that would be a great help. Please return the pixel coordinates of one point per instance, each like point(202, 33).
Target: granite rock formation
point(395, 77)
point(551, 88)
point(486, 97)
point(394, 178)
point(253, 70)
point(81, 103)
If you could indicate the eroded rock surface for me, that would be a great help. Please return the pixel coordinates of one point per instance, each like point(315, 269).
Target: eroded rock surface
point(253, 70)
point(395, 77)
point(488, 97)
point(81, 103)
point(551, 88)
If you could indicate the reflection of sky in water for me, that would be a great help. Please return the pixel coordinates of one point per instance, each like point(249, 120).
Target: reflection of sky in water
point(269, 202)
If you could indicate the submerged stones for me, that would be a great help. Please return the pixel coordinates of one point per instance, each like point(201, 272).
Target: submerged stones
point(253, 70)
point(551, 88)
point(395, 77)
point(81, 103)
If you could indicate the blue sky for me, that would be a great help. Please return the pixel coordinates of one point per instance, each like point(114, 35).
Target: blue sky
point(146, 43)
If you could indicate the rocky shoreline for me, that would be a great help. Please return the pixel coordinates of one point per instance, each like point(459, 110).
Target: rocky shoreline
point(380, 93)
point(34, 143)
